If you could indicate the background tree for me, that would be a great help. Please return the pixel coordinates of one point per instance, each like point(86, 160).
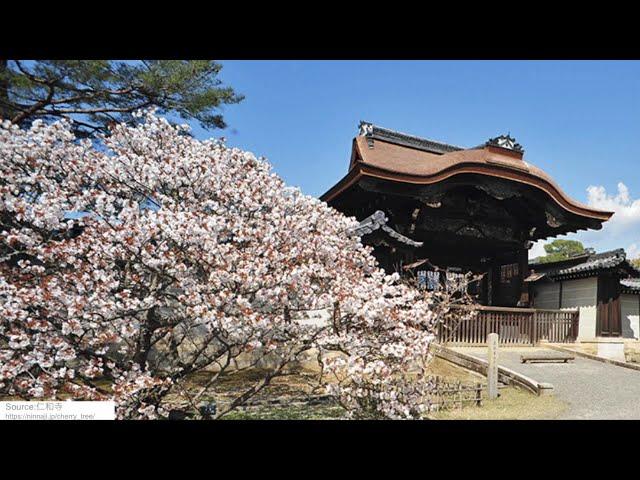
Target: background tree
point(96, 93)
point(561, 250)
point(636, 262)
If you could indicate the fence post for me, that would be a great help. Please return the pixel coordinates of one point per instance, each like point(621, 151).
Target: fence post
point(492, 372)
point(534, 339)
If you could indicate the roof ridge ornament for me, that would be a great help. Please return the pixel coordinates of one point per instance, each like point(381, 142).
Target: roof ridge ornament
point(366, 129)
point(507, 142)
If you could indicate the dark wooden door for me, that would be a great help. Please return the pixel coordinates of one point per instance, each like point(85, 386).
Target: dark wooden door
point(507, 285)
point(608, 323)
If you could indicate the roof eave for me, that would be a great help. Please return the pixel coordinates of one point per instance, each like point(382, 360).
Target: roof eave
point(361, 169)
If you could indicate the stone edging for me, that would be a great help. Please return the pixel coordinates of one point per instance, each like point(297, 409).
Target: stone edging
point(590, 356)
point(505, 375)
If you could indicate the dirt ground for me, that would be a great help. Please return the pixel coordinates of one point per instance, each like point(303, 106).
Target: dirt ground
point(293, 389)
point(512, 404)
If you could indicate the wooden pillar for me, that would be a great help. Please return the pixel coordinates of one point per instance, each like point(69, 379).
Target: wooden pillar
point(490, 284)
point(560, 296)
point(492, 371)
point(523, 271)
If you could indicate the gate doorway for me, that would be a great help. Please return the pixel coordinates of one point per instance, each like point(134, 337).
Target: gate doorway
point(608, 321)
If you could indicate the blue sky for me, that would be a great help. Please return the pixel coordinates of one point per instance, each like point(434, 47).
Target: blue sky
point(577, 120)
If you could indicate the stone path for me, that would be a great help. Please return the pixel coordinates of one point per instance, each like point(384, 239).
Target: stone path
point(592, 389)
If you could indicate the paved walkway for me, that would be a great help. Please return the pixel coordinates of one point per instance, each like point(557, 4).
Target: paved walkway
point(592, 389)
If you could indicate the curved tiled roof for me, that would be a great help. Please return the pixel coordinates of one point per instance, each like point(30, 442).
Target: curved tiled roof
point(594, 262)
point(385, 154)
point(585, 264)
point(632, 284)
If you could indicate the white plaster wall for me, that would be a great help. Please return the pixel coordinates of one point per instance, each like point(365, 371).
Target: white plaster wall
point(582, 294)
point(630, 311)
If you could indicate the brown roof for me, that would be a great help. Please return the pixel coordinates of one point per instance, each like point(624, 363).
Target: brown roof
point(402, 163)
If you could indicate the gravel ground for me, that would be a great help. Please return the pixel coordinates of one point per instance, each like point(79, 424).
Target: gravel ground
point(592, 389)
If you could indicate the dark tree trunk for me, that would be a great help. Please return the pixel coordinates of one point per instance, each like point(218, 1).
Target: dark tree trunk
point(143, 347)
point(5, 110)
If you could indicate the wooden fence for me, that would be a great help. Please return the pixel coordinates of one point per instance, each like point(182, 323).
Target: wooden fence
point(515, 326)
point(452, 393)
point(447, 394)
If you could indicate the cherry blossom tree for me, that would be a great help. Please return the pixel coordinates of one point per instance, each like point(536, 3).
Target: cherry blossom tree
point(385, 332)
point(129, 266)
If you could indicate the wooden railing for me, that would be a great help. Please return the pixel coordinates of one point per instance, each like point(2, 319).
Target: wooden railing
point(515, 326)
